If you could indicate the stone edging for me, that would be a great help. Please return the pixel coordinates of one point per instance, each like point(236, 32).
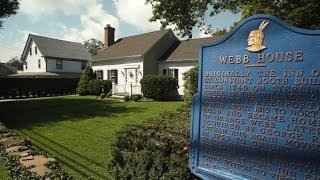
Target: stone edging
point(24, 162)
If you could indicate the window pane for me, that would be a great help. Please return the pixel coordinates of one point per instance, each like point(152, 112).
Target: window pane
point(59, 64)
point(164, 71)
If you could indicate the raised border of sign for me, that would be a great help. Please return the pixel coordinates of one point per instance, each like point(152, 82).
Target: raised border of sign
point(196, 101)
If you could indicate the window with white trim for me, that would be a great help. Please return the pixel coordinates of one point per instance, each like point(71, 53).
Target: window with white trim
point(59, 64)
point(171, 72)
point(113, 75)
point(39, 63)
point(99, 74)
point(3, 71)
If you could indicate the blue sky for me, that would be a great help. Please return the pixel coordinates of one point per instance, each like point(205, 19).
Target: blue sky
point(80, 20)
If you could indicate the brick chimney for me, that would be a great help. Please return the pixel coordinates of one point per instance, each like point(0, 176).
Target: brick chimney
point(108, 36)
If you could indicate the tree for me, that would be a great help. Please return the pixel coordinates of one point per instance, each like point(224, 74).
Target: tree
point(93, 46)
point(85, 78)
point(188, 14)
point(16, 62)
point(8, 8)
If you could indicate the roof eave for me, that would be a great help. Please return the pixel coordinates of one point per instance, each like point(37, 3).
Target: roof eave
point(178, 60)
point(117, 58)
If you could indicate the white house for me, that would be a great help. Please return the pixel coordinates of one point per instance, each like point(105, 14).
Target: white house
point(47, 56)
point(181, 57)
point(126, 60)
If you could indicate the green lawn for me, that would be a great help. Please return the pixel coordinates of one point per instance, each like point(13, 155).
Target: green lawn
point(3, 172)
point(78, 131)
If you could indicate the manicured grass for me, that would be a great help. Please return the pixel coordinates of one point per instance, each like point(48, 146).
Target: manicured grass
point(3, 172)
point(78, 131)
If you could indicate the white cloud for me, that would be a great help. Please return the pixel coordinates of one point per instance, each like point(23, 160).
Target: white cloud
point(92, 23)
point(137, 14)
point(40, 8)
point(201, 34)
point(91, 14)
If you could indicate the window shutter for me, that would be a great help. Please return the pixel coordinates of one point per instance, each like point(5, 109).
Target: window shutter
point(101, 74)
point(116, 77)
point(109, 74)
point(176, 73)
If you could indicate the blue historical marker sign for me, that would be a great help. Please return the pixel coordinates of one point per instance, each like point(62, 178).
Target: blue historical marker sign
point(257, 112)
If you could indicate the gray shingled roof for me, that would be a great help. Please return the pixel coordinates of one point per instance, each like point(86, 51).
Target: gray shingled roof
point(51, 47)
point(131, 46)
point(187, 49)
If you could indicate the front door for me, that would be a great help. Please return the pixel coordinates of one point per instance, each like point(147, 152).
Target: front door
point(131, 76)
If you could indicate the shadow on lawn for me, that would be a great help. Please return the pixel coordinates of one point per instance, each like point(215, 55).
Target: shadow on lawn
point(24, 114)
point(69, 156)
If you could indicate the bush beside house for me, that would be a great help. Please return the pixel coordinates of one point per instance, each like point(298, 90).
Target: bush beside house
point(85, 78)
point(159, 87)
point(97, 86)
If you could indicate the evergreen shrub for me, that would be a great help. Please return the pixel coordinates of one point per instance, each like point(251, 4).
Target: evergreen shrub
point(136, 98)
point(85, 78)
point(159, 87)
point(154, 149)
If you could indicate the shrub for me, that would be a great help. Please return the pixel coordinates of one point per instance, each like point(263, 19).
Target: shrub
point(85, 78)
point(159, 87)
point(102, 95)
point(95, 87)
point(126, 98)
point(191, 85)
point(154, 149)
point(107, 86)
point(136, 97)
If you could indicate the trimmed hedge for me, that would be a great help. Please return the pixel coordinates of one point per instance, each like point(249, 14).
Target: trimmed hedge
point(17, 171)
point(159, 87)
point(154, 149)
point(25, 87)
point(98, 86)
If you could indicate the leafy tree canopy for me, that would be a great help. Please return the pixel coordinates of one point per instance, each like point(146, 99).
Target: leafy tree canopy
point(93, 46)
point(188, 14)
point(7, 8)
point(16, 62)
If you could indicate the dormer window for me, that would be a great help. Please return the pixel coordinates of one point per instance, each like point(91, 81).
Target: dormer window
point(30, 51)
point(35, 50)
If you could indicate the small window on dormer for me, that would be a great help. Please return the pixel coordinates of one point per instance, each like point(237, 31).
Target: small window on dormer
point(30, 51)
point(35, 50)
